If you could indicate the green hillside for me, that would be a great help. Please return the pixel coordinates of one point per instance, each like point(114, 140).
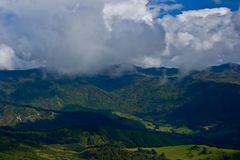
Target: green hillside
point(45, 115)
point(194, 152)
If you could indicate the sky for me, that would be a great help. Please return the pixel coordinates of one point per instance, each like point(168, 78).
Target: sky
point(185, 5)
point(86, 37)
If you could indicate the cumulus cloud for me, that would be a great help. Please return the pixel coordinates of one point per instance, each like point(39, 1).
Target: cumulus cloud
point(196, 39)
point(135, 10)
point(10, 61)
point(8, 57)
point(85, 37)
point(79, 36)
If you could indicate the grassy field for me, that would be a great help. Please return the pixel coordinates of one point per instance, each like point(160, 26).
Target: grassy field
point(162, 128)
point(51, 152)
point(191, 152)
point(172, 129)
point(146, 124)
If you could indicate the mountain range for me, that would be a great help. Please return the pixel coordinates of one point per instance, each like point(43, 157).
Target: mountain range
point(140, 107)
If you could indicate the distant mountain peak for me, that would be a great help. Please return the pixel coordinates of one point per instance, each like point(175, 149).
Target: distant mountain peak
point(226, 67)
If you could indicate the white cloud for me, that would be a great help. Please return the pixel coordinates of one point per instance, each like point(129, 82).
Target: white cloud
point(199, 38)
point(72, 36)
point(10, 61)
point(135, 10)
point(7, 60)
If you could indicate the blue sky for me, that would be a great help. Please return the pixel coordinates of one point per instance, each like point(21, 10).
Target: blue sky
point(198, 4)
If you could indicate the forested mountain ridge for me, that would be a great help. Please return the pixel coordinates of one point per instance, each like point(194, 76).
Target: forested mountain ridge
point(117, 110)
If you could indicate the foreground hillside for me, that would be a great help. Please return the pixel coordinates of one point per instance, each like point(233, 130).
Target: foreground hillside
point(62, 152)
point(194, 152)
